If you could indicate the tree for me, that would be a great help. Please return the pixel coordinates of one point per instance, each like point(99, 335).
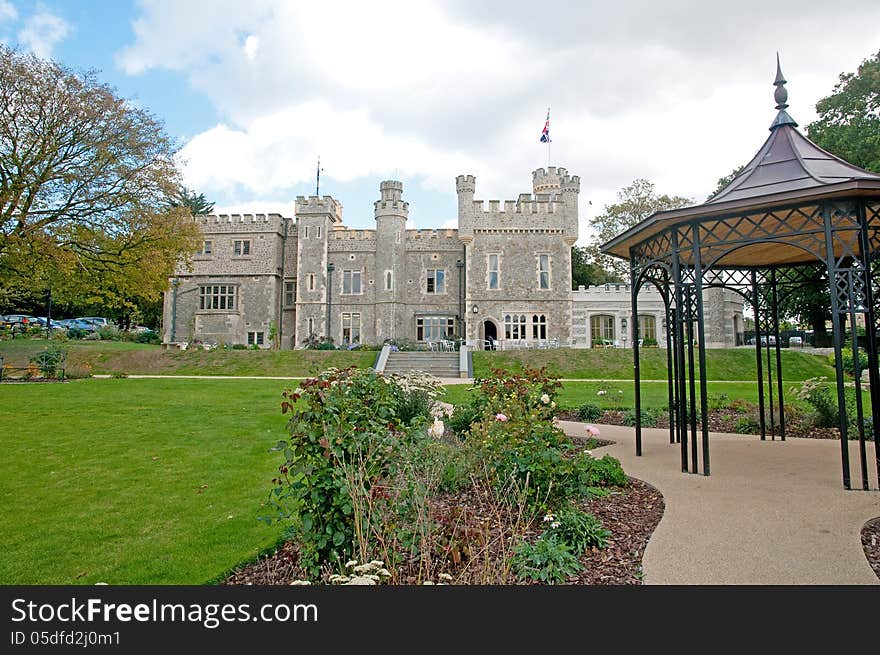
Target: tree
point(85, 179)
point(635, 203)
point(724, 181)
point(585, 271)
point(197, 204)
point(849, 119)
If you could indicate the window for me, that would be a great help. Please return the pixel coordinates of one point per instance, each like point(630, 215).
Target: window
point(307, 230)
point(207, 247)
point(389, 281)
point(436, 280)
point(289, 293)
point(432, 328)
point(494, 277)
point(318, 235)
point(351, 328)
point(311, 326)
point(397, 238)
point(255, 338)
point(544, 271)
point(647, 327)
point(539, 326)
point(601, 328)
point(351, 282)
point(311, 281)
point(241, 248)
point(217, 297)
point(515, 326)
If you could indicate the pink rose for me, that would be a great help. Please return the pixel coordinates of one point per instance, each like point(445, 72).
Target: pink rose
point(500, 417)
point(593, 430)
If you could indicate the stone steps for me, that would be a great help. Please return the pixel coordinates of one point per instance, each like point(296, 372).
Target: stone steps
point(439, 364)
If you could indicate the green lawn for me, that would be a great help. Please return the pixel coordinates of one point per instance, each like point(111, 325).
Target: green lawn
point(135, 481)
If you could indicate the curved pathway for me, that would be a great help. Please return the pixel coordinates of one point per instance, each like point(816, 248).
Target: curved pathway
point(772, 512)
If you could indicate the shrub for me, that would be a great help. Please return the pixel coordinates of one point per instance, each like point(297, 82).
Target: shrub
point(747, 425)
point(817, 394)
point(239, 346)
point(719, 401)
point(77, 333)
point(848, 361)
point(463, 416)
point(588, 412)
point(651, 416)
point(326, 345)
point(415, 393)
point(547, 560)
point(579, 530)
point(108, 333)
point(148, 337)
point(345, 436)
point(649, 343)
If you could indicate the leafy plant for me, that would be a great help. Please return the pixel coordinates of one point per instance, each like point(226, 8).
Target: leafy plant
point(817, 394)
point(547, 560)
point(747, 425)
point(579, 530)
point(588, 412)
point(651, 416)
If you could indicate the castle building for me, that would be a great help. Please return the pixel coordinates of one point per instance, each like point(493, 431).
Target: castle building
point(503, 276)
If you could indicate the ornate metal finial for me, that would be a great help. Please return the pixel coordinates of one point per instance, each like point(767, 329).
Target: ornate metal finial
point(781, 94)
point(781, 97)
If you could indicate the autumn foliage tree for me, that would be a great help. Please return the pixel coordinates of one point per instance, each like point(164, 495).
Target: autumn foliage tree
point(85, 183)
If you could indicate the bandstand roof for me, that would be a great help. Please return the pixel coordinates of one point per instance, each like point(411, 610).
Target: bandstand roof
point(787, 170)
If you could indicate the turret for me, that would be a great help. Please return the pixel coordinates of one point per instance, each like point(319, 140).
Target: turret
point(390, 203)
point(465, 187)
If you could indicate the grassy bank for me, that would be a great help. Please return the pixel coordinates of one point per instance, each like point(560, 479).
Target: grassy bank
point(617, 363)
point(109, 357)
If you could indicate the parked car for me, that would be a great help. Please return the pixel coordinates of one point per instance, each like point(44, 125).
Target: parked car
point(79, 324)
point(21, 320)
point(96, 320)
point(763, 340)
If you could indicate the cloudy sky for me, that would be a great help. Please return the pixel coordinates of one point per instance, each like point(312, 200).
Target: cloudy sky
point(677, 92)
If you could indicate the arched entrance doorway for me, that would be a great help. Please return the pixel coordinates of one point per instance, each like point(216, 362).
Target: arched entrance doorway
point(490, 334)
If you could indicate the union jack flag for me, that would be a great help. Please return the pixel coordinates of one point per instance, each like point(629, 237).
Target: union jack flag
point(545, 133)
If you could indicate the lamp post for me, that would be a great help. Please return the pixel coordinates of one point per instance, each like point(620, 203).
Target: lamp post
point(330, 269)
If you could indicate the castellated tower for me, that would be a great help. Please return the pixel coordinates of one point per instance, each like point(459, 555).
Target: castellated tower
point(315, 217)
point(518, 255)
point(391, 213)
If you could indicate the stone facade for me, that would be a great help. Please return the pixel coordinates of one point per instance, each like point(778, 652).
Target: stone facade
point(602, 316)
point(504, 275)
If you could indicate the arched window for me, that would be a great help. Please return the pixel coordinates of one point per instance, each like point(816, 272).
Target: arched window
point(539, 326)
point(515, 326)
point(648, 328)
point(601, 329)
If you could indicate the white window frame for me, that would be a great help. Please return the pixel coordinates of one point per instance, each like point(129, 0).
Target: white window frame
point(434, 328)
point(241, 248)
point(351, 322)
point(539, 327)
point(432, 279)
point(290, 293)
point(496, 271)
point(543, 274)
point(218, 297)
point(256, 338)
point(515, 326)
point(349, 276)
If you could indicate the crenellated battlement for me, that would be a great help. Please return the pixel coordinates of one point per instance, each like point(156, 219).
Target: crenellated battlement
point(526, 204)
point(465, 184)
point(240, 222)
point(313, 205)
point(553, 179)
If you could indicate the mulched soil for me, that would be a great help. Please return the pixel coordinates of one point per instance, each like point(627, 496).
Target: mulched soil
point(475, 535)
point(871, 543)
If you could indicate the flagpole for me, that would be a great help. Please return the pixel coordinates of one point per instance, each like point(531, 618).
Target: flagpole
point(548, 139)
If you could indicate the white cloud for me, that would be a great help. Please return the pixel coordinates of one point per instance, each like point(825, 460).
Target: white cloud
point(7, 11)
point(42, 31)
point(676, 92)
point(251, 45)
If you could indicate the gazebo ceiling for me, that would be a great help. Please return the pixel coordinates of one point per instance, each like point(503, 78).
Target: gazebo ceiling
point(788, 169)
